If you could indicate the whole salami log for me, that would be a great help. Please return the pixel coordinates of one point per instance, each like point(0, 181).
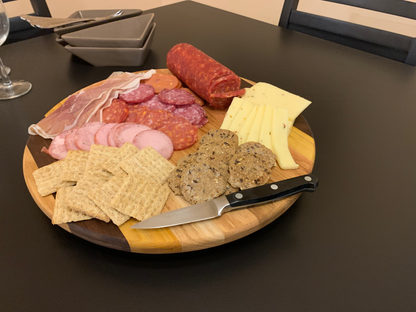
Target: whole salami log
point(203, 75)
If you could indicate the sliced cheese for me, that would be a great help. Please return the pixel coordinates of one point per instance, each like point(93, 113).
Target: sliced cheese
point(264, 93)
point(241, 116)
point(280, 139)
point(231, 112)
point(254, 134)
point(246, 128)
point(266, 127)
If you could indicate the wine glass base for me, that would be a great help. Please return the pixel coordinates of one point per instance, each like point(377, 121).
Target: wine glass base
point(16, 89)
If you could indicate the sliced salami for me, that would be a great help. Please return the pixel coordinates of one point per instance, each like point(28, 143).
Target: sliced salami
point(116, 112)
point(194, 113)
point(198, 100)
point(162, 81)
point(155, 103)
point(57, 149)
point(156, 139)
point(143, 93)
point(153, 118)
point(176, 97)
point(182, 133)
point(70, 139)
point(134, 110)
point(84, 137)
point(102, 134)
point(111, 138)
point(127, 132)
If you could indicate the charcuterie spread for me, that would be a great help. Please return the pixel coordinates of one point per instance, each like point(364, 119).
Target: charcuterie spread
point(114, 141)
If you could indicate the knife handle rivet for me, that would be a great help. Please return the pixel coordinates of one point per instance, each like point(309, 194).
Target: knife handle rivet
point(308, 178)
point(238, 195)
point(274, 187)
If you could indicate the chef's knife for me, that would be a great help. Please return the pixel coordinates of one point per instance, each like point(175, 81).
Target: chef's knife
point(241, 199)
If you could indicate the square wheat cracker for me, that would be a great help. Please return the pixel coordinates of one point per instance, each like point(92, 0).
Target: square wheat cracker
point(112, 164)
point(140, 197)
point(103, 195)
point(48, 178)
point(76, 161)
point(61, 212)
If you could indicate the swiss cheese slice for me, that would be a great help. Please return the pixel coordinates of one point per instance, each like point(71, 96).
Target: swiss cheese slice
point(231, 112)
point(254, 134)
point(280, 139)
point(264, 93)
point(241, 116)
point(246, 128)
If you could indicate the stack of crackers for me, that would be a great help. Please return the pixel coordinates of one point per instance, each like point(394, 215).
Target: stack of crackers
point(107, 183)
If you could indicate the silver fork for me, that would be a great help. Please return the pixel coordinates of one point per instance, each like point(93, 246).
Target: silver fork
point(52, 22)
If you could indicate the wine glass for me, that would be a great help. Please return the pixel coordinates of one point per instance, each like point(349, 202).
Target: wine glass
point(9, 89)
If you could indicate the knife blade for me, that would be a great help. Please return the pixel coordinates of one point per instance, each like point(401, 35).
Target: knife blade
point(241, 199)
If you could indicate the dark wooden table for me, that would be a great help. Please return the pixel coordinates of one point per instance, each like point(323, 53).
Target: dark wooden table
point(350, 246)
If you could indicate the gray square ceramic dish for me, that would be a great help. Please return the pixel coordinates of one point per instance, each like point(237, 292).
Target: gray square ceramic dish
point(127, 33)
point(95, 13)
point(114, 56)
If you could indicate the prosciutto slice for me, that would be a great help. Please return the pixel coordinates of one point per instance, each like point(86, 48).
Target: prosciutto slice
point(87, 105)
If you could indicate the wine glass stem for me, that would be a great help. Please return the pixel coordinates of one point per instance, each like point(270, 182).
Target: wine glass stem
point(4, 76)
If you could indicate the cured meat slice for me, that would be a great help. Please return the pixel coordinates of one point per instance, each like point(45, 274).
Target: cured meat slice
point(102, 134)
point(162, 81)
point(153, 118)
point(182, 133)
point(155, 103)
point(176, 97)
point(84, 137)
point(198, 100)
point(111, 138)
point(142, 93)
point(194, 113)
point(70, 139)
point(134, 110)
point(82, 106)
point(156, 139)
point(202, 74)
point(57, 148)
point(127, 132)
point(116, 112)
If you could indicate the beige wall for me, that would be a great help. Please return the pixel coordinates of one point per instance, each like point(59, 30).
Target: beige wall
point(264, 10)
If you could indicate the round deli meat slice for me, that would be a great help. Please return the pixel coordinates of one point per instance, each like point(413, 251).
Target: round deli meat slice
point(142, 93)
point(57, 148)
point(194, 113)
point(111, 138)
point(117, 112)
point(182, 133)
point(134, 110)
point(102, 134)
point(70, 139)
point(162, 81)
point(156, 103)
point(84, 137)
point(176, 97)
point(127, 132)
point(153, 118)
point(156, 139)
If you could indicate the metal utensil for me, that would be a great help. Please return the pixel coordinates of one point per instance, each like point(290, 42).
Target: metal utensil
point(52, 22)
point(242, 199)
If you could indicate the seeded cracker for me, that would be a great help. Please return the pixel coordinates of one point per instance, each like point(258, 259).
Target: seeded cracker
point(75, 162)
point(104, 194)
point(112, 164)
point(63, 214)
point(150, 163)
point(140, 197)
point(48, 180)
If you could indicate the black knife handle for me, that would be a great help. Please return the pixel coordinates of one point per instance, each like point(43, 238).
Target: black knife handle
point(272, 191)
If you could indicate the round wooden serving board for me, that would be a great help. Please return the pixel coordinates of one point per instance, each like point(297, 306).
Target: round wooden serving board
point(195, 236)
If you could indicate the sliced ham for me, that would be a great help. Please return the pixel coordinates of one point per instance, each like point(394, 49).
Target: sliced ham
point(87, 105)
point(84, 137)
point(57, 149)
point(156, 139)
point(70, 139)
point(127, 132)
point(102, 134)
